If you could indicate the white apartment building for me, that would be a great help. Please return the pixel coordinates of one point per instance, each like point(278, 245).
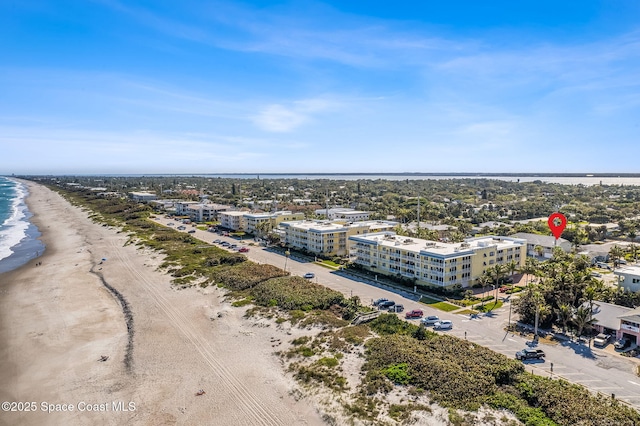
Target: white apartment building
point(629, 277)
point(142, 197)
point(182, 206)
point(350, 215)
point(233, 220)
point(546, 243)
point(435, 263)
point(202, 212)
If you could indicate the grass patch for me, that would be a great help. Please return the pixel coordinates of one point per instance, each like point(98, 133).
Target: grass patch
point(487, 307)
point(328, 263)
point(243, 302)
point(428, 300)
point(444, 306)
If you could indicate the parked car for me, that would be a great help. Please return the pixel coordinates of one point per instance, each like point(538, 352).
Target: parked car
point(181, 228)
point(225, 244)
point(217, 241)
point(504, 289)
point(192, 231)
point(233, 246)
point(396, 308)
point(416, 313)
point(243, 249)
point(379, 301)
point(527, 353)
point(430, 320)
point(601, 340)
point(622, 343)
point(170, 224)
point(309, 275)
point(443, 325)
point(387, 304)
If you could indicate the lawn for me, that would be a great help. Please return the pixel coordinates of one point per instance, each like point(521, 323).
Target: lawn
point(329, 263)
point(443, 306)
point(490, 306)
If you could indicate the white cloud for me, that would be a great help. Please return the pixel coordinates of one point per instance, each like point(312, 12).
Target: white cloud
point(282, 119)
point(277, 118)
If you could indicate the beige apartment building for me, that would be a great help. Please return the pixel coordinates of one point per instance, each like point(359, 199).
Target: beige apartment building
point(262, 223)
point(256, 223)
point(328, 238)
point(435, 263)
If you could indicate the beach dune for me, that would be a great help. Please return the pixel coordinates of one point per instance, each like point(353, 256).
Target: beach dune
point(93, 341)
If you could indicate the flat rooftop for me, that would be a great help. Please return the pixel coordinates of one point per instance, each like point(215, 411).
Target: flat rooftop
point(392, 240)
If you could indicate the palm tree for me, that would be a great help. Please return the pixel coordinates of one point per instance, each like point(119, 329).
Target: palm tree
point(589, 296)
point(498, 270)
point(512, 267)
point(564, 313)
point(484, 280)
point(616, 253)
point(539, 250)
point(583, 319)
point(633, 249)
point(530, 266)
point(538, 299)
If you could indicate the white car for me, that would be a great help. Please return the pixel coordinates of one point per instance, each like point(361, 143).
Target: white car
point(443, 325)
point(309, 275)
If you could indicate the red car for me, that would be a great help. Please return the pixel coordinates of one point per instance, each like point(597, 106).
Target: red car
point(416, 313)
point(243, 250)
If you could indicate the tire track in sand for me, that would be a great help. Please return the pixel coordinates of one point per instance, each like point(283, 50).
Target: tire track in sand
point(252, 408)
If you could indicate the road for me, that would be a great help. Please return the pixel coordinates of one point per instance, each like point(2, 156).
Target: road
point(600, 370)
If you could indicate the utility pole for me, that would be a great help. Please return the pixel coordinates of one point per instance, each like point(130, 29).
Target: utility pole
point(418, 230)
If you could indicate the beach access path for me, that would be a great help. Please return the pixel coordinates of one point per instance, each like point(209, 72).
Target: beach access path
point(93, 296)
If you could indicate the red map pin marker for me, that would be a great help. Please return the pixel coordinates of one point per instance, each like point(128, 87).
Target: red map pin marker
point(557, 222)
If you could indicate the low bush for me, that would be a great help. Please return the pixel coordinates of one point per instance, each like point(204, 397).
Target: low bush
point(245, 275)
point(295, 293)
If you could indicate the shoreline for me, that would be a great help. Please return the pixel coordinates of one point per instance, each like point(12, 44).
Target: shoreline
point(59, 319)
point(30, 247)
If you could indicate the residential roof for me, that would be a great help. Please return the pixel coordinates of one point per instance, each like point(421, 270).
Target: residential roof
point(632, 315)
point(540, 240)
point(608, 314)
point(628, 270)
point(465, 248)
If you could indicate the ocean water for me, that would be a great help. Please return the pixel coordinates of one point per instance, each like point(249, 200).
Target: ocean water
point(19, 241)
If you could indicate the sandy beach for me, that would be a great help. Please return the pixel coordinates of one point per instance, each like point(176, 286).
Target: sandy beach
point(58, 319)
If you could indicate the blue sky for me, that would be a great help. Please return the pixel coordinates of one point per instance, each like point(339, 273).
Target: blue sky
point(110, 86)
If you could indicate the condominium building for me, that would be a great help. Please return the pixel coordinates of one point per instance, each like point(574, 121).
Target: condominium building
point(543, 245)
point(328, 238)
point(142, 197)
point(262, 223)
point(202, 212)
point(233, 220)
point(435, 263)
point(343, 213)
point(629, 278)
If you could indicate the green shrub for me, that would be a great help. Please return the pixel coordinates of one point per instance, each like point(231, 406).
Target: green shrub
point(398, 373)
point(295, 293)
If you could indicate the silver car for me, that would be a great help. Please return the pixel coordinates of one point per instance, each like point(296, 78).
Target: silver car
point(430, 320)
